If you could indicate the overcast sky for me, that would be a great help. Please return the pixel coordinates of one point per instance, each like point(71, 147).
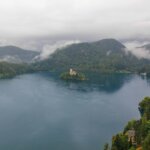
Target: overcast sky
point(85, 20)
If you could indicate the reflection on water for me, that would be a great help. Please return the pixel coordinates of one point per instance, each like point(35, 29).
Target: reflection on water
point(146, 79)
point(41, 112)
point(102, 82)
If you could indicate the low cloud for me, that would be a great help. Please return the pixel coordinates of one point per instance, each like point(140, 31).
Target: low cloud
point(137, 49)
point(10, 59)
point(49, 49)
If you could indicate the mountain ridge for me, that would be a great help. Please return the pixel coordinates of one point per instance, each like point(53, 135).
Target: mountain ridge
point(107, 55)
point(16, 54)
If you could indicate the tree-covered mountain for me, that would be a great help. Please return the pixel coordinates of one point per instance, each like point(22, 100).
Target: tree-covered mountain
point(14, 61)
point(16, 55)
point(107, 55)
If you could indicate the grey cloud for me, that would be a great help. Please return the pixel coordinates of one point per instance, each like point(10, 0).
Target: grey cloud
point(45, 25)
point(75, 19)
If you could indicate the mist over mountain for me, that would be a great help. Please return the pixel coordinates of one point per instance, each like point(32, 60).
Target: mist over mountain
point(147, 46)
point(17, 55)
point(107, 55)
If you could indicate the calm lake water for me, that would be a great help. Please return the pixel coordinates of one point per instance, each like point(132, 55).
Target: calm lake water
point(41, 112)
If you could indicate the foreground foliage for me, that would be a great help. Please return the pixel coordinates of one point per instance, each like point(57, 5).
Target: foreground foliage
point(142, 131)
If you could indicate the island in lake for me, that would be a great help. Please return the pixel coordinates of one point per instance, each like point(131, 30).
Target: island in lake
point(73, 75)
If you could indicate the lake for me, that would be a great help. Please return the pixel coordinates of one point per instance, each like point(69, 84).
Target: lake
point(41, 112)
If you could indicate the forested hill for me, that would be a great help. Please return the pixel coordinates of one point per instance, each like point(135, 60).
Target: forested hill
point(16, 55)
point(8, 70)
point(107, 55)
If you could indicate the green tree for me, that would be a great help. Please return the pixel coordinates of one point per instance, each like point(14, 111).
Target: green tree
point(120, 142)
point(132, 148)
point(144, 108)
point(146, 144)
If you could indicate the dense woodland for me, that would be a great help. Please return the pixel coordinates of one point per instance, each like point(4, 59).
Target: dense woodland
point(9, 70)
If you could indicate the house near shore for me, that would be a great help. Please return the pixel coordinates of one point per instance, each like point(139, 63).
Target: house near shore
point(131, 136)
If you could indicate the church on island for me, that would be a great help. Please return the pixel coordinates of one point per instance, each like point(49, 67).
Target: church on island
point(72, 72)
